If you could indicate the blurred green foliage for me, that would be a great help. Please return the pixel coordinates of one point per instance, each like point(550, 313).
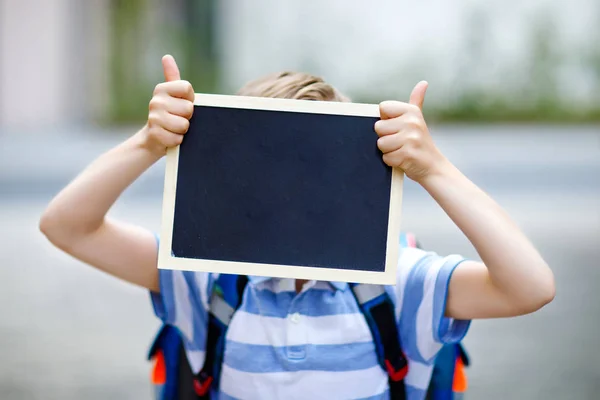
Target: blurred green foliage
point(537, 98)
point(127, 91)
point(541, 100)
point(190, 32)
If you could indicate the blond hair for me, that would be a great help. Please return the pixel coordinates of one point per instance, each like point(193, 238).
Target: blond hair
point(292, 85)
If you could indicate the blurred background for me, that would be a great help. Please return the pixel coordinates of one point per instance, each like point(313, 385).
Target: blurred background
point(514, 101)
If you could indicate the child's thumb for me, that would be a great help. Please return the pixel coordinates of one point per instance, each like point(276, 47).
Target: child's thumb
point(170, 69)
point(417, 96)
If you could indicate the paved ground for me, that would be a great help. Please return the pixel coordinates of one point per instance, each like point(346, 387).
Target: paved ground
point(69, 332)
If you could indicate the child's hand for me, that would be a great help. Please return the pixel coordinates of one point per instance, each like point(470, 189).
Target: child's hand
point(404, 138)
point(171, 108)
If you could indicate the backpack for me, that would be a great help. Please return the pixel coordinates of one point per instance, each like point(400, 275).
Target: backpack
point(173, 378)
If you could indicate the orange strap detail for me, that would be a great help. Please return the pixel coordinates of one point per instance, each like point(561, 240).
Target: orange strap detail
point(460, 382)
point(159, 370)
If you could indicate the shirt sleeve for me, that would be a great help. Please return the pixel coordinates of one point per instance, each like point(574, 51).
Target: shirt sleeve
point(183, 303)
point(421, 293)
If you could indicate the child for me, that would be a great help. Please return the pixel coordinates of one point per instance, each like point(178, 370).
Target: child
point(298, 339)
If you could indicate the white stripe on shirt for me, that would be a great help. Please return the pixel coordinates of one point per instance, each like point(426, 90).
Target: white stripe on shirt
point(304, 385)
point(196, 359)
point(418, 374)
point(408, 258)
point(262, 330)
point(183, 313)
point(426, 343)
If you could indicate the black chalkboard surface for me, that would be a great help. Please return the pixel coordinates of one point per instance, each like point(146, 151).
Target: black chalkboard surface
point(282, 188)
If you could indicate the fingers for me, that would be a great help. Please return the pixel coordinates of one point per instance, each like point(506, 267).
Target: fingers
point(387, 126)
point(403, 135)
point(170, 122)
point(417, 96)
point(165, 137)
point(392, 109)
point(172, 105)
point(170, 113)
point(395, 158)
point(181, 107)
point(389, 143)
point(170, 69)
point(170, 108)
point(404, 132)
point(180, 89)
point(174, 86)
point(395, 125)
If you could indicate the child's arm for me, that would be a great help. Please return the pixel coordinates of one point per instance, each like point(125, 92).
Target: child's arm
point(513, 278)
point(76, 221)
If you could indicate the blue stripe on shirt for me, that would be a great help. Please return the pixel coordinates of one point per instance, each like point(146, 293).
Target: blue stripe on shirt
point(164, 302)
point(383, 396)
point(338, 358)
point(446, 330)
point(267, 303)
point(413, 296)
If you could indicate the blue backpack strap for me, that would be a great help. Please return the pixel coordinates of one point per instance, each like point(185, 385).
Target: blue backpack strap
point(442, 386)
point(225, 299)
point(442, 377)
point(166, 348)
point(378, 310)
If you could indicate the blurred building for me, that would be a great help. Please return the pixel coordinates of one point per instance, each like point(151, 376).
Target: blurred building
point(51, 61)
point(72, 61)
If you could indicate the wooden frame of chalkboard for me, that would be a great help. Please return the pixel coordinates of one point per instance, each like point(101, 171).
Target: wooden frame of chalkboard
point(205, 229)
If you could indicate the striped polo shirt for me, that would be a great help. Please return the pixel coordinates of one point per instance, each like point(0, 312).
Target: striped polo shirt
point(315, 344)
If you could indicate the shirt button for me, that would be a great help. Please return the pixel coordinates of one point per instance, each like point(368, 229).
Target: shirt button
point(295, 318)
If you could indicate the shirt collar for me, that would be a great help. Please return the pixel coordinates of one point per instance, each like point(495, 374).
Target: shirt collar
point(339, 285)
point(261, 279)
point(258, 279)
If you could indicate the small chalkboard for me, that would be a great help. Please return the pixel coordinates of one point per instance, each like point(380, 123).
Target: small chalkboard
point(281, 188)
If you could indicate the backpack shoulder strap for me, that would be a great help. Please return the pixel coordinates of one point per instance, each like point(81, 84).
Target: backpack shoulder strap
point(448, 378)
point(379, 312)
point(165, 357)
point(226, 298)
